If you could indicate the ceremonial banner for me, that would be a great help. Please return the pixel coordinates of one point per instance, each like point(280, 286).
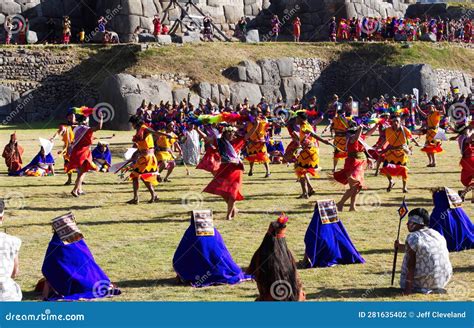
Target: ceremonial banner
point(327, 211)
point(66, 228)
point(453, 197)
point(203, 222)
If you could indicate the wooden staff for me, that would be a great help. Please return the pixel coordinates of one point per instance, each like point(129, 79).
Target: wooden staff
point(396, 248)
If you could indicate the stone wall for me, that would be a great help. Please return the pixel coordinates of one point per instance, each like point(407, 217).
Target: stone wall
point(44, 78)
point(39, 85)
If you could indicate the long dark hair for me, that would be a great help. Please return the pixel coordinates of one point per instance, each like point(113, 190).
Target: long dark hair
point(274, 267)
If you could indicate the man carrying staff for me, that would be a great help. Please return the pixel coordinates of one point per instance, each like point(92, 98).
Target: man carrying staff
point(426, 267)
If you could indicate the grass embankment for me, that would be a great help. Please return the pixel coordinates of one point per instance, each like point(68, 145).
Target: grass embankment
point(206, 61)
point(135, 244)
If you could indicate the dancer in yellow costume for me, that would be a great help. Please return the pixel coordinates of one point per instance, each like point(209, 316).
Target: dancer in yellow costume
point(164, 150)
point(146, 165)
point(66, 131)
point(432, 145)
point(307, 161)
point(256, 145)
point(340, 124)
point(396, 154)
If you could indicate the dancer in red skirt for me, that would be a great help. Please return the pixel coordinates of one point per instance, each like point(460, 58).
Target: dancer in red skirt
point(80, 155)
point(211, 160)
point(227, 181)
point(466, 145)
point(354, 166)
point(377, 150)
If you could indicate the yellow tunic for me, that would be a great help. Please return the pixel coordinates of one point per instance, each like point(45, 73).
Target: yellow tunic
point(308, 159)
point(340, 126)
point(397, 140)
point(146, 165)
point(431, 145)
point(164, 150)
point(256, 146)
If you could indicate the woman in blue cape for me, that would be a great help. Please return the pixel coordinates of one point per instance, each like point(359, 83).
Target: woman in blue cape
point(102, 156)
point(71, 273)
point(451, 221)
point(327, 242)
point(41, 165)
point(204, 260)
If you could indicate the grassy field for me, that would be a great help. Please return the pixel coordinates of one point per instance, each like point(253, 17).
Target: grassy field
point(135, 244)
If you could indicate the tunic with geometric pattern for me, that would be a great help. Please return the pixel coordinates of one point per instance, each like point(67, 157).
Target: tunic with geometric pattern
point(433, 268)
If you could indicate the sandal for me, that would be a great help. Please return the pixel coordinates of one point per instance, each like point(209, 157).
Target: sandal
point(155, 199)
point(133, 202)
point(303, 196)
point(74, 194)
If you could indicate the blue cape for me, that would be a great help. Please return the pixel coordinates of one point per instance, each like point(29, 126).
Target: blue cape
point(329, 244)
point(72, 271)
point(97, 154)
point(452, 223)
point(205, 260)
point(277, 146)
point(38, 159)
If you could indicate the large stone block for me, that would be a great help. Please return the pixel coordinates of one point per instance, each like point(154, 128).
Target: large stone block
point(149, 8)
point(285, 65)
point(241, 90)
point(233, 13)
point(204, 90)
point(215, 95)
point(5, 100)
point(291, 88)
point(418, 76)
point(132, 7)
point(163, 39)
point(270, 72)
point(180, 94)
point(270, 92)
point(125, 24)
point(252, 36)
point(224, 92)
point(254, 72)
point(8, 7)
point(124, 93)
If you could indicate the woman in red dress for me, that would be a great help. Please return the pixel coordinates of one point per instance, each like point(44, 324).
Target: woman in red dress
point(227, 180)
point(297, 29)
point(354, 166)
point(80, 155)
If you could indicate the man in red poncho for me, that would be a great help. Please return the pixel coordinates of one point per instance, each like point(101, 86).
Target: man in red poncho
point(12, 154)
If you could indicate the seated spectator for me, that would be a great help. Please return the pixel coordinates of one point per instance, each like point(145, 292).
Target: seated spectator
point(426, 267)
point(9, 264)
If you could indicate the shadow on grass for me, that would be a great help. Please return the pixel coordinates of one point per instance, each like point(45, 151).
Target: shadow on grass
point(148, 283)
point(366, 293)
point(377, 251)
point(125, 221)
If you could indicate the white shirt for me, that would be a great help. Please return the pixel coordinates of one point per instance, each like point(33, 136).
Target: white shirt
point(9, 249)
point(433, 268)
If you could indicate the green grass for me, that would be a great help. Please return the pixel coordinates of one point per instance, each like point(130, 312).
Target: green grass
point(135, 244)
